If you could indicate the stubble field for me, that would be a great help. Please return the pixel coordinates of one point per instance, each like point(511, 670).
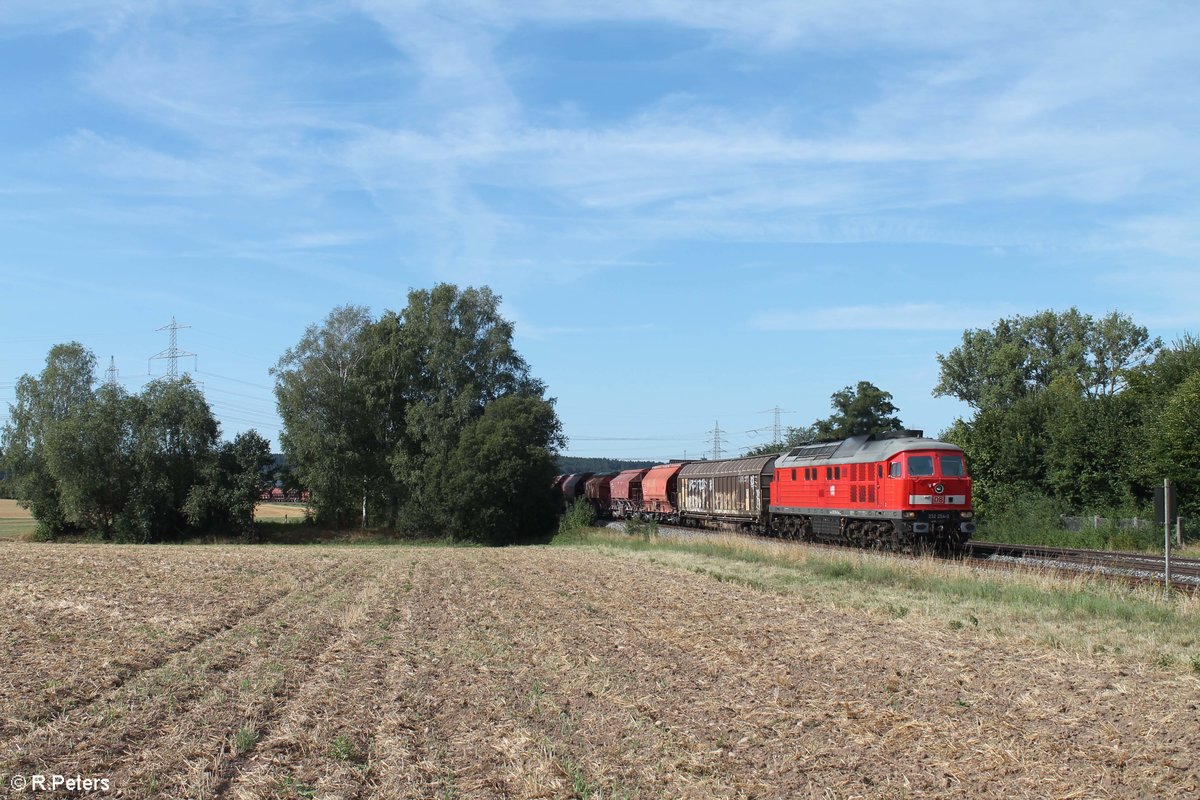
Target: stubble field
point(540, 672)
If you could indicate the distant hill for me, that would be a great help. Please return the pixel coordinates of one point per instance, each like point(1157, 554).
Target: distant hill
point(568, 465)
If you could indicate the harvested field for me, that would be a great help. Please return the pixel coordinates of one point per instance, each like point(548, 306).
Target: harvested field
point(15, 522)
point(540, 672)
point(279, 512)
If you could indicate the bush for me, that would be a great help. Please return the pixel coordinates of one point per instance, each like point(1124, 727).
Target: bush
point(580, 516)
point(645, 528)
point(1035, 519)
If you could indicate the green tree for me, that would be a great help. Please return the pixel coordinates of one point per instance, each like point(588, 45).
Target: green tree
point(1089, 443)
point(1175, 449)
point(389, 367)
point(226, 497)
point(858, 410)
point(1051, 415)
point(1005, 449)
point(376, 410)
point(459, 356)
point(1024, 355)
point(501, 470)
point(103, 461)
point(1118, 348)
point(176, 439)
point(42, 404)
point(988, 369)
point(327, 436)
point(91, 458)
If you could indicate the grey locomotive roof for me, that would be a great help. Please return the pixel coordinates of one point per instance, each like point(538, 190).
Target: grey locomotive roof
point(728, 466)
point(857, 449)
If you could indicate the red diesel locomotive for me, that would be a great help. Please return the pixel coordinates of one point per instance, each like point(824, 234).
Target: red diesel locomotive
point(892, 491)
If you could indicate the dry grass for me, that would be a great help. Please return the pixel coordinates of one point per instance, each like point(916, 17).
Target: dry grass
point(279, 512)
point(15, 522)
point(544, 672)
point(1083, 615)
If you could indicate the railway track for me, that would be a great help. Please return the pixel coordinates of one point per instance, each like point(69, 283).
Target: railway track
point(1137, 568)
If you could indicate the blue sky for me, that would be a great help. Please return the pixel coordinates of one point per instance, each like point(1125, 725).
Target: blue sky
point(694, 211)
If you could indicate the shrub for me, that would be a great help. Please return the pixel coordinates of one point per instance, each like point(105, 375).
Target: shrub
point(646, 528)
point(579, 516)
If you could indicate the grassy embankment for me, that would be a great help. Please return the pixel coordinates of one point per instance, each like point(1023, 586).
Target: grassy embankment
point(1086, 616)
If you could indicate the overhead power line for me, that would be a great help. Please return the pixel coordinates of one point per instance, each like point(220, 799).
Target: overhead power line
point(172, 354)
point(777, 428)
point(718, 441)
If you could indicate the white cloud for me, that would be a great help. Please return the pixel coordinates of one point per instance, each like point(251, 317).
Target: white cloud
point(897, 317)
point(980, 106)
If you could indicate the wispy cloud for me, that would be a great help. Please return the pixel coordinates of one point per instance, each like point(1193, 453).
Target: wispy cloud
point(1000, 108)
point(898, 317)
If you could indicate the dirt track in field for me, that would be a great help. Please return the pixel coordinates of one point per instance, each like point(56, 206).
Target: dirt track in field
point(393, 673)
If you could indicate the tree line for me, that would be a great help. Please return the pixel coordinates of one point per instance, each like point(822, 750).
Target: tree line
point(1075, 412)
point(97, 460)
point(428, 421)
point(1069, 413)
point(425, 420)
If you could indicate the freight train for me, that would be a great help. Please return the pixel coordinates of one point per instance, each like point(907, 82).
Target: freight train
point(894, 491)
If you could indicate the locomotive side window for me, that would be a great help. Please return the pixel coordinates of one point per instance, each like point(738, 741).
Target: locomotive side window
point(952, 466)
point(881, 470)
point(894, 469)
point(793, 474)
point(829, 473)
point(837, 473)
point(920, 466)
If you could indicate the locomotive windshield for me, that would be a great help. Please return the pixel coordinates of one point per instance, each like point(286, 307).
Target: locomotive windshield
point(920, 466)
point(952, 466)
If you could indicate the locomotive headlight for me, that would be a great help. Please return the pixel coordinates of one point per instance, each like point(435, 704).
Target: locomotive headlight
point(910, 515)
point(967, 514)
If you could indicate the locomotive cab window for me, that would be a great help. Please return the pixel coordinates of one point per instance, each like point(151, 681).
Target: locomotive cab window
point(952, 466)
point(920, 466)
point(894, 469)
